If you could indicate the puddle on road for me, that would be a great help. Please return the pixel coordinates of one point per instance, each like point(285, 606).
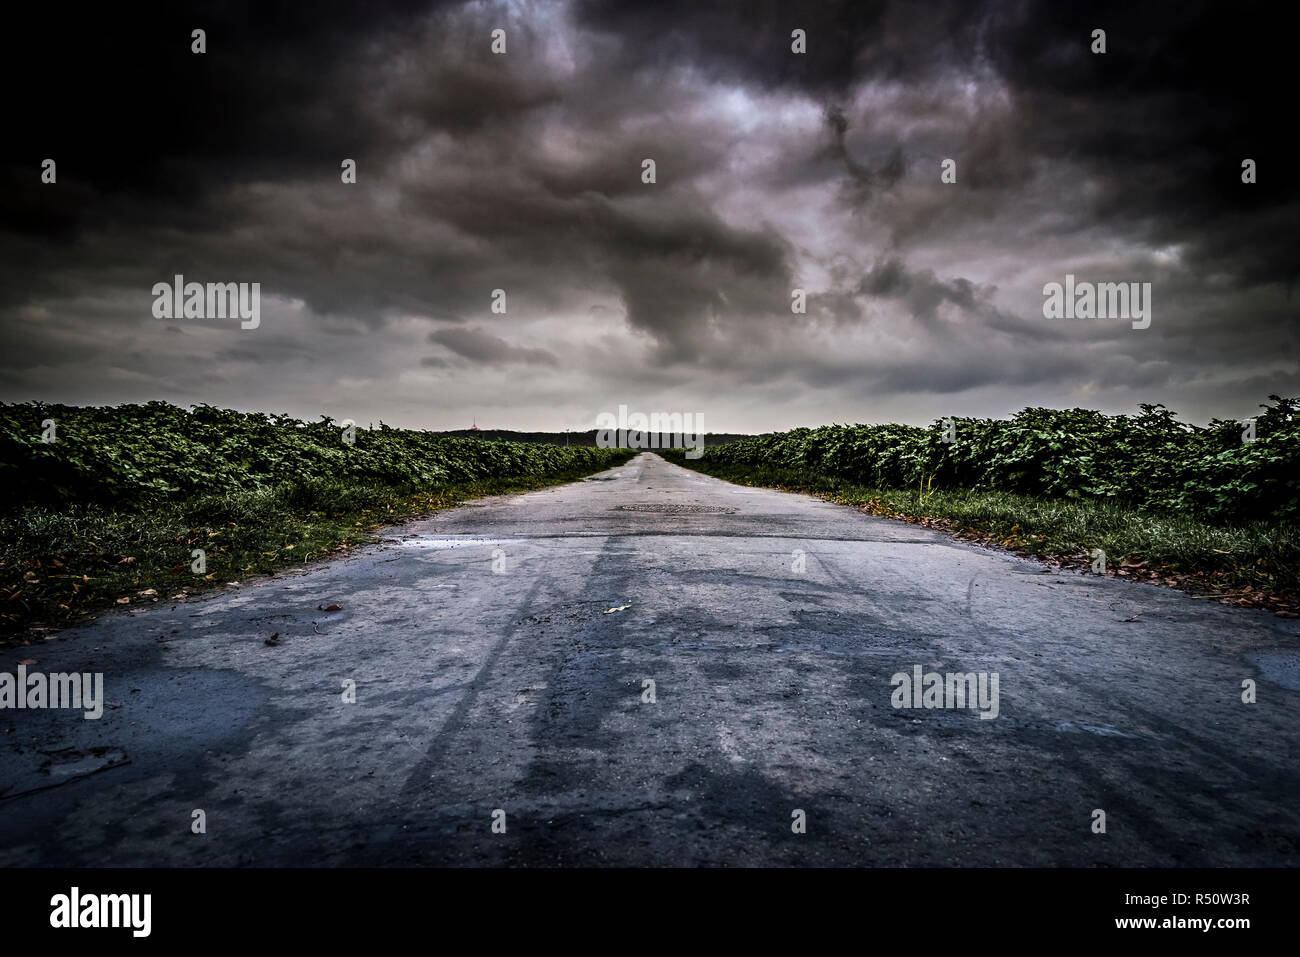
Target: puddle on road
point(74, 763)
point(1281, 666)
point(40, 770)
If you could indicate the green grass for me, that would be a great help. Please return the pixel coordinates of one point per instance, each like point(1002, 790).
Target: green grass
point(59, 566)
point(1255, 563)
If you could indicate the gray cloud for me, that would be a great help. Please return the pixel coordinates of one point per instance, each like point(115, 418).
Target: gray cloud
point(479, 346)
point(523, 173)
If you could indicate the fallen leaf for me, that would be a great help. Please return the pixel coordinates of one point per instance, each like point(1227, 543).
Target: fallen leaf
point(611, 611)
point(274, 639)
point(147, 591)
point(124, 601)
point(324, 607)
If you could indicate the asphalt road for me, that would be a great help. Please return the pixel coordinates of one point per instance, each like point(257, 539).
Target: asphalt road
point(490, 674)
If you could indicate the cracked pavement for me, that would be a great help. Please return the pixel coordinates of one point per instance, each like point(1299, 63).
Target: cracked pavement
point(491, 674)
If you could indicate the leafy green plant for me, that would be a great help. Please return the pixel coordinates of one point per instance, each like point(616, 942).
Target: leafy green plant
point(133, 456)
point(1149, 461)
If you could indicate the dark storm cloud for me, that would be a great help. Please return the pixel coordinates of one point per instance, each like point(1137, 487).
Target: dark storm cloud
point(1165, 116)
point(865, 180)
point(922, 292)
point(750, 40)
point(523, 173)
point(122, 90)
point(484, 347)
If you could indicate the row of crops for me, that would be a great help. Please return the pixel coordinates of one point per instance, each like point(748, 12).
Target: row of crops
point(1227, 471)
point(130, 455)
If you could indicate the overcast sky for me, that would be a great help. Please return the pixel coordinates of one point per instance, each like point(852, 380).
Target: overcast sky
point(775, 171)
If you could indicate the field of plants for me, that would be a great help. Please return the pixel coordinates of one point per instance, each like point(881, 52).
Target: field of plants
point(132, 455)
point(1149, 461)
point(1208, 509)
point(115, 508)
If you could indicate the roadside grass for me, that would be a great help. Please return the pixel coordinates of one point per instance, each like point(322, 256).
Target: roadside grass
point(1254, 564)
point(59, 566)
